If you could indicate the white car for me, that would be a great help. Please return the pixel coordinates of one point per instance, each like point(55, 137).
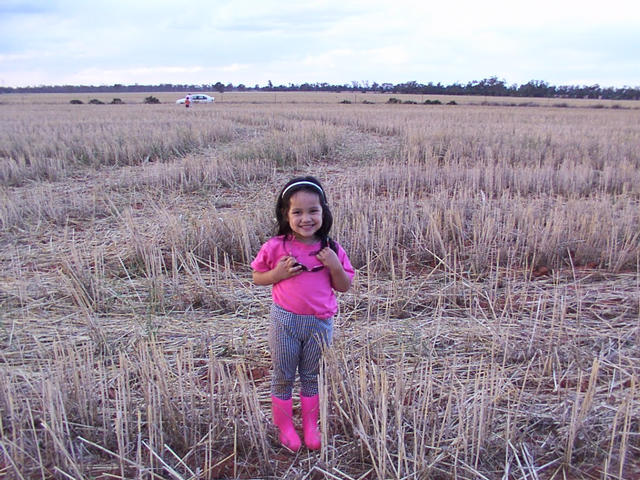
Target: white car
point(196, 98)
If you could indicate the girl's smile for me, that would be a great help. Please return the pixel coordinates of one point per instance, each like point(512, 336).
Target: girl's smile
point(305, 215)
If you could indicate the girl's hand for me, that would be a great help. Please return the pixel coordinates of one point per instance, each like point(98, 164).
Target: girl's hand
point(286, 267)
point(340, 281)
point(329, 258)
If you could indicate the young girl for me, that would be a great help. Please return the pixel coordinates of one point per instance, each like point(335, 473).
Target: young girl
point(304, 266)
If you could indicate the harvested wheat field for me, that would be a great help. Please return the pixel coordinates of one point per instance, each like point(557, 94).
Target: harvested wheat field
point(492, 330)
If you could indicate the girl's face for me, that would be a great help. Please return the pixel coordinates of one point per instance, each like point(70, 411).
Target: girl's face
point(305, 215)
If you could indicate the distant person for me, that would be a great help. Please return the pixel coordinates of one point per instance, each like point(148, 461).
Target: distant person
point(304, 267)
point(187, 100)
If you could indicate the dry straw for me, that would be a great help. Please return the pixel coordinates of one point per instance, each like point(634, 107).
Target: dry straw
point(492, 329)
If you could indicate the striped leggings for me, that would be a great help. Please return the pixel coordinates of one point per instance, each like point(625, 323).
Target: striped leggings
point(296, 343)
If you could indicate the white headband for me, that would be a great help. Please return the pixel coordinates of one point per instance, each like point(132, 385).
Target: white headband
point(303, 182)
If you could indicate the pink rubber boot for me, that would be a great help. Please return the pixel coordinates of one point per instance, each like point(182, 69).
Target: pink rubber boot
point(282, 411)
point(310, 411)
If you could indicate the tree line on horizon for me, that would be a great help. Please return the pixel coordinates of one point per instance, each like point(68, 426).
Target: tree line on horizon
point(486, 87)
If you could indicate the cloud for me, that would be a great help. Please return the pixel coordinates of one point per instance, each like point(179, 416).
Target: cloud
point(247, 41)
point(235, 68)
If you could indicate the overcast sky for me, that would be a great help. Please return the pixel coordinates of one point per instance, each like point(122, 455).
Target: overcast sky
point(93, 42)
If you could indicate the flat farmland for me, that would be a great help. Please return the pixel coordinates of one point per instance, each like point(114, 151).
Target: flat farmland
point(260, 97)
point(492, 330)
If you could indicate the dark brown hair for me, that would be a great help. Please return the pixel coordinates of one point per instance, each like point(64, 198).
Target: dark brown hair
point(308, 184)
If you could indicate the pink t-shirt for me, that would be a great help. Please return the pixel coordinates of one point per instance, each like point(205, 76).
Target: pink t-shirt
point(309, 293)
